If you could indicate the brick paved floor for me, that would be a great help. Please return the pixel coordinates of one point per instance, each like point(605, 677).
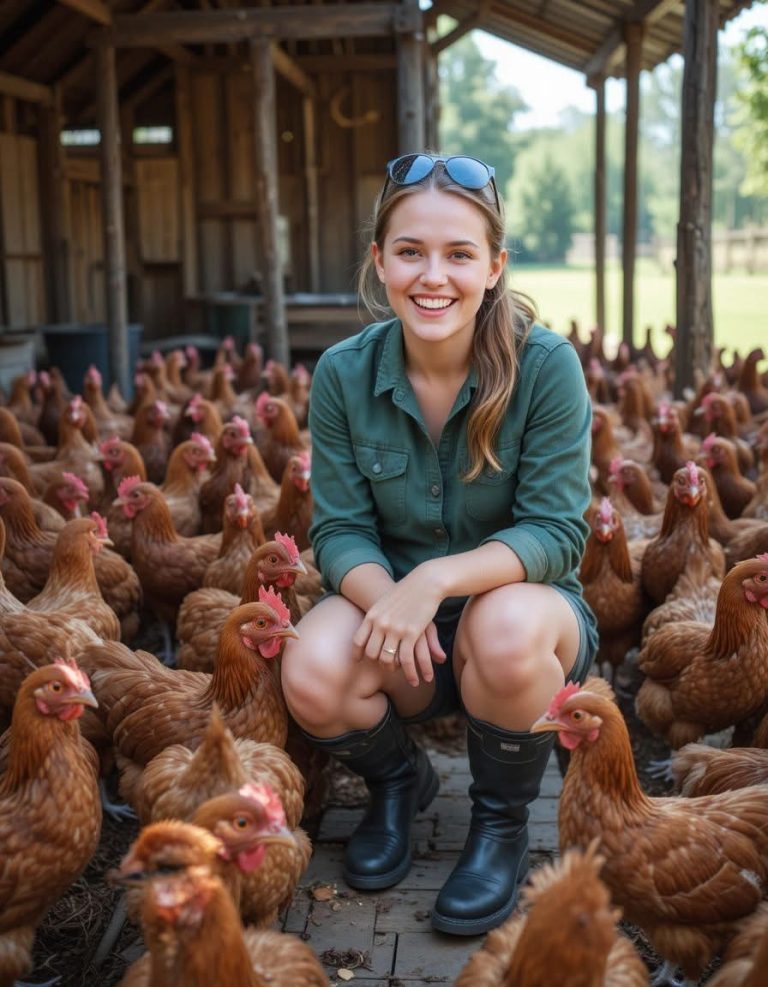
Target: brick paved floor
point(392, 927)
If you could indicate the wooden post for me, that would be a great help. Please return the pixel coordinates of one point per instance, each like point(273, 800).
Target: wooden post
point(55, 222)
point(187, 199)
point(410, 87)
point(310, 180)
point(633, 35)
point(600, 224)
point(693, 342)
point(431, 100)
point(266, 194)
point(114, 227)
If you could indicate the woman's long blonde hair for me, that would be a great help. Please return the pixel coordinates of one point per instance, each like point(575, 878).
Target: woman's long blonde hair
point(502, 324)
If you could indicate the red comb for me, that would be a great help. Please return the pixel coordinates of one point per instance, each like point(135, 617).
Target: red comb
point(202, 440)
point(241, 425)
point(763, 557)
point(305, 460)
point(92, 373)
point(76, 402)
point(241, 497)
point(195, 400)
point(110, 443)
point(127, 484)
point(561, 697)
point(157, 358)
point(615, 466)
point(606, 511)
point(274, 600)
point(228, 342)
point(289, 544)
point(266, 797)
point(101, 524)
point(708, 442)
point(77, 483)
point(261, 402)
point(693, 472)
point(76, 676)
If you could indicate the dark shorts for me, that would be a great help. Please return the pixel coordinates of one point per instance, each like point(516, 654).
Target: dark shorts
point(447, 699)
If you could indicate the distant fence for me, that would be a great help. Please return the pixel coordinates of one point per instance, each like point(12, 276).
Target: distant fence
point(732, 250)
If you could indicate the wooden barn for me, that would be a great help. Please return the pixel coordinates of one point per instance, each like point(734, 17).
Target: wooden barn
point(206, 167)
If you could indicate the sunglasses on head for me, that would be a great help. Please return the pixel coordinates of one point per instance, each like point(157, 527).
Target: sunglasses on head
point(469, 173)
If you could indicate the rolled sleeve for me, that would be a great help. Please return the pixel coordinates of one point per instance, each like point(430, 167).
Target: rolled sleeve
point(549, 532)
point(343, 530)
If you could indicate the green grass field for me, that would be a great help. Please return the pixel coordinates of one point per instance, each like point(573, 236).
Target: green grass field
point(565, 293)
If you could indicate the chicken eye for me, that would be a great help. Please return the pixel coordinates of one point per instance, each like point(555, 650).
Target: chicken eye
point(241, 822)
point(273, 560)
point(261, 622)
point(577, 714)
point(55, 686)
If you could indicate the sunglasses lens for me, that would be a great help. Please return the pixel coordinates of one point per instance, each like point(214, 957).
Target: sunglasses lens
point(410, 168)
point(468, 172)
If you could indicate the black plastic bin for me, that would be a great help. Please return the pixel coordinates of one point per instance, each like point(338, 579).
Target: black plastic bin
point(74, 346)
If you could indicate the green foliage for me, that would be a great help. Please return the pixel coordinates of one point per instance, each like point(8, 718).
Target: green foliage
point(752, 135)
point(477, 111)
point(546, 211)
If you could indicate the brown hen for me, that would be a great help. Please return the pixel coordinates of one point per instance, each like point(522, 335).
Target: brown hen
point(564, 931)
point(685, 871)
point(702, 678)
point(50, 814)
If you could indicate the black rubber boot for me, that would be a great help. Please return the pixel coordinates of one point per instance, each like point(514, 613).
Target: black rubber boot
point(401, 782)
point(507, 769)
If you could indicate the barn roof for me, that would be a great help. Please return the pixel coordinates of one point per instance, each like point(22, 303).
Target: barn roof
point(586, 34)
point(47, 42)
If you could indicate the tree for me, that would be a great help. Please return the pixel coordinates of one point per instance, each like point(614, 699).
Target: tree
point(477, 111)
point(752, 135)
point(546, 211)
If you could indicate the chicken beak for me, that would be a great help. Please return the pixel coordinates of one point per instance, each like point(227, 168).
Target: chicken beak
point(299, 568)
point(546, 723)
point(129, 874)
point(83, 697)
point(289, 631)
point(118, 502)
point(279, 837)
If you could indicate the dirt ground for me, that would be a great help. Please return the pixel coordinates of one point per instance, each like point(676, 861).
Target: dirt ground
point(68, 942)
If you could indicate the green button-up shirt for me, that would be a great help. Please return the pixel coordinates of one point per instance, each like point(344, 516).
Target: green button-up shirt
point(384, 493)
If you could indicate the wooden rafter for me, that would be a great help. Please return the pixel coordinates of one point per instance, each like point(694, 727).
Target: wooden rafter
point(94, 9)
point(332, 20)
point(463, 27)
point(32, 92)
point(290, 69)
point(612, 48)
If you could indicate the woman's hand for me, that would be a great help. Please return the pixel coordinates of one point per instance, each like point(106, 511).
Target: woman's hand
point(398, 628)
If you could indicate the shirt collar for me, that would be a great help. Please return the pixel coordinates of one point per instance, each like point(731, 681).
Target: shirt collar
point(391, 372)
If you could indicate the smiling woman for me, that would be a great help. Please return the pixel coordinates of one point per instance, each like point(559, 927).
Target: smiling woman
point(450, 477)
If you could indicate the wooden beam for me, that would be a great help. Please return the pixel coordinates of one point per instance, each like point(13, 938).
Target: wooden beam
point(31, 92)
point(187, 198)
point(290, 70)
point(94, 9)
point(55, 218)
point(600, 221)
point(410, 88)
point(114, 225)
point(265, 185)
point(332, 20)
point(693, 342)
point(463, 27)
point(612, 49)
point(310, 185)
point(633, 37)
point(157, 81)
point(373, 62)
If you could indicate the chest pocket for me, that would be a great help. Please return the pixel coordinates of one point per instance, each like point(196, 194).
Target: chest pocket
point(386, 471)
point(491, 495)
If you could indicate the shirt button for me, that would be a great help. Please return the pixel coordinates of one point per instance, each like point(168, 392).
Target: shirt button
point(435, 490)
point(439, 532)
point(376, 468)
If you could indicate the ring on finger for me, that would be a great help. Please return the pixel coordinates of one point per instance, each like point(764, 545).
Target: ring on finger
point(390, 651)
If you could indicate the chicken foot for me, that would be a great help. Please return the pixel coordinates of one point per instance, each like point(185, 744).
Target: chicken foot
point(666, 976)
point(116, 810)
point(661, 769)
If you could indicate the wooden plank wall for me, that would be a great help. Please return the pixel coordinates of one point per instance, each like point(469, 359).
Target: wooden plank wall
point(87, 248)
point(22, 249)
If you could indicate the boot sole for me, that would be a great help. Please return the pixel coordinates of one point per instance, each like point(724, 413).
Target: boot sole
point(378, 882)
